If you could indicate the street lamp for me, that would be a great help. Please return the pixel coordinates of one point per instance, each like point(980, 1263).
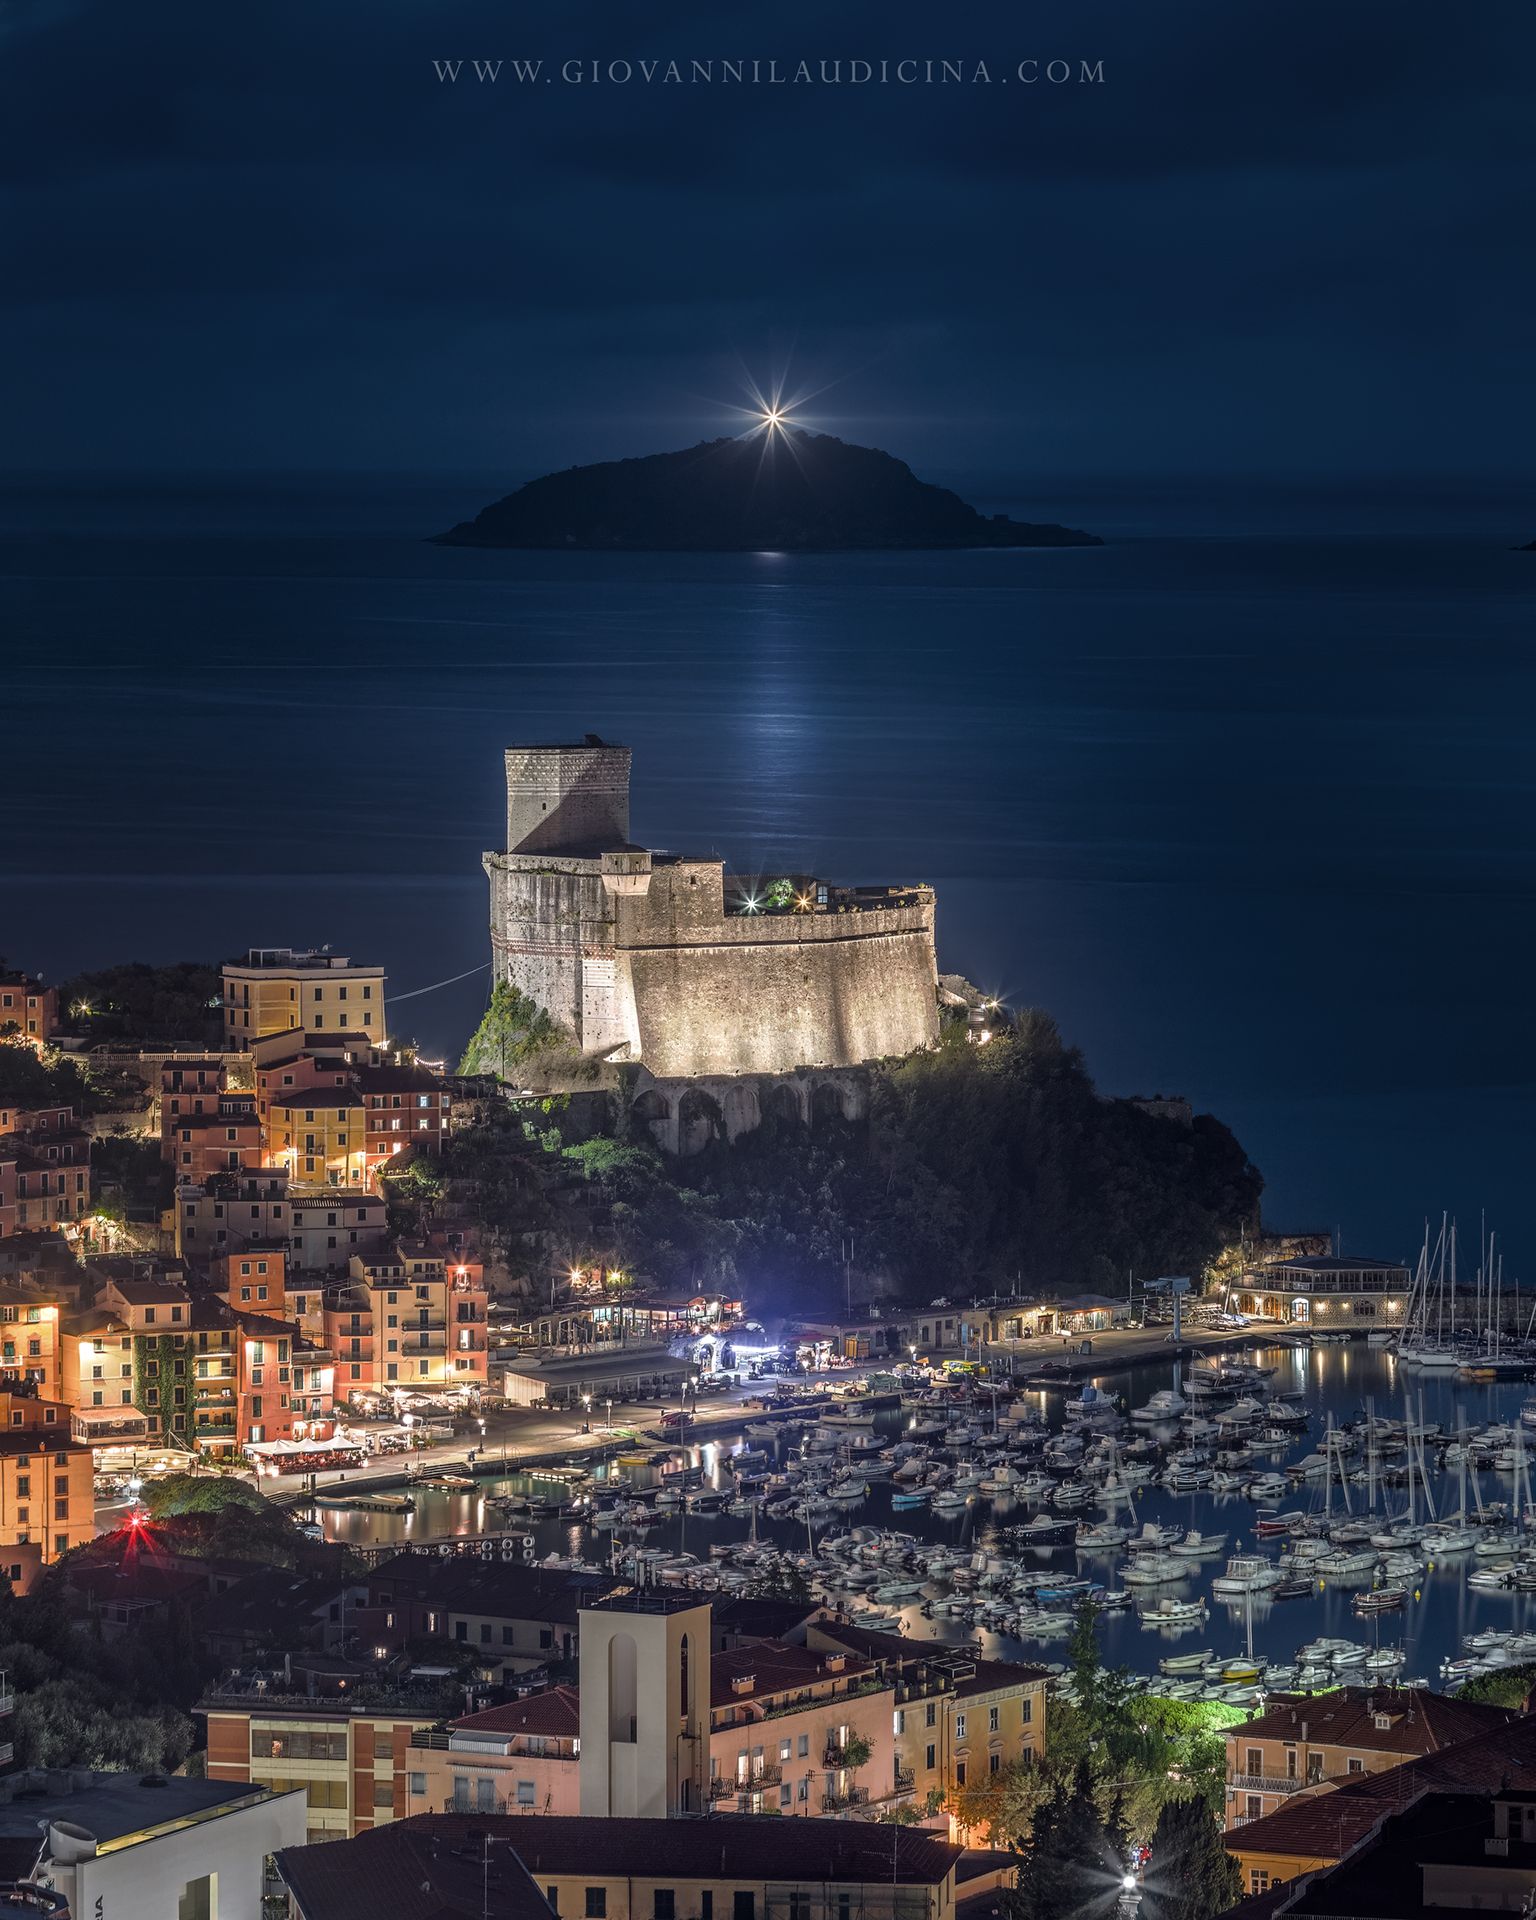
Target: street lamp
point(586, 1408)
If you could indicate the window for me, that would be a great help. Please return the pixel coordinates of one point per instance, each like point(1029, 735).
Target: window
point(664, 1904)
point(930, 1715)
point(383, 1745)
point(783, 1750)
point(552, 1895)
point(418, 1784)
point(597, 1903)
point(929, 1759)
point(994, 1763)
point(1356, 1764)
point(707, 1904)
point(992, 1719)
point(803, 1746)
point(1256, 1760)
point(384, 1793)
point(743, 1904)
point(959, 1726)
point(959, 1773)
point(899, 1722)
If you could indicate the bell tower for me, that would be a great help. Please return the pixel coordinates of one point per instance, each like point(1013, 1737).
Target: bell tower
point(645, 1664)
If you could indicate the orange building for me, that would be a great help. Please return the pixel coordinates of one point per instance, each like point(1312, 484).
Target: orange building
point(255, 1278)
point(225, 1139)
point(29, 1006)
point(427, 1319)
point(47, 1486)
point(188, 1088)
point(30, 1345)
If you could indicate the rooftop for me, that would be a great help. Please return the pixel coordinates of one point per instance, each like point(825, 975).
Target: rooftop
point(112, 1806)
point(555, 1711)
point(1332, 1263)
point(463, 1866)
point(748, 1673)
point(1417, 1721)
point(287, 959)
point(1327, 1825)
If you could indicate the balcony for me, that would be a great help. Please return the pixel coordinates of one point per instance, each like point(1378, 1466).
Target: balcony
point(724, 1785)
point(840, 1802)
point(466, 1805)
point(906, 1780)
point(1267, 1782)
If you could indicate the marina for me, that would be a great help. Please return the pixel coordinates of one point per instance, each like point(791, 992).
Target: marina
point(1294, 1517)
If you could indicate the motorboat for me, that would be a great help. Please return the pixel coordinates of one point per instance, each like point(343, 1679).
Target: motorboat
point(1247, 1573)
point(1169, 1611)
point(1155, 1569)
point(1199, 1546)
point(1165, 1406)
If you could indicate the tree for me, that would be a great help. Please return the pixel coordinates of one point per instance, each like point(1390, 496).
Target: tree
point(511, 1032)
point(1071, 1867)
point(1506, 1687)
point(1191, 1875)
point(137, 1003)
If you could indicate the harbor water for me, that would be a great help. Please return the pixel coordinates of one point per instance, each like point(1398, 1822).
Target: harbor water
point(1441, 1610)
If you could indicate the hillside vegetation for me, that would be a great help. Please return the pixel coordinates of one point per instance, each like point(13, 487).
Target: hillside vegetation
point(977, 1167)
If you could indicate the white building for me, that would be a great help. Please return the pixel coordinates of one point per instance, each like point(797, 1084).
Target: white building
point(120, 1847)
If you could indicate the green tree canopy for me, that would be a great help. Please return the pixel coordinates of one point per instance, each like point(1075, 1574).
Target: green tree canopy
point(1190, 1876)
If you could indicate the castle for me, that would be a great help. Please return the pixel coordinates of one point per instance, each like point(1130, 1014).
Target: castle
point(698, 976)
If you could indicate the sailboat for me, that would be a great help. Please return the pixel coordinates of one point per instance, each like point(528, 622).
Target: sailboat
point(1434, 1350)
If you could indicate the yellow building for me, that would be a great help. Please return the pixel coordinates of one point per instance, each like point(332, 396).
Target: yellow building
point(317, 1135)
point(277, 988)
point(958, 1722)
point(1314, 1743)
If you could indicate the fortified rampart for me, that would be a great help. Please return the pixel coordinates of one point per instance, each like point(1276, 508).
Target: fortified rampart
point(662, 961)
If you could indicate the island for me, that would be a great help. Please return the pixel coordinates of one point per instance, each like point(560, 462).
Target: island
point(781, 491)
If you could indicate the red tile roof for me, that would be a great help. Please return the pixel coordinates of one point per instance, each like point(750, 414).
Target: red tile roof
point(555, 1711)
point(1418, 1721)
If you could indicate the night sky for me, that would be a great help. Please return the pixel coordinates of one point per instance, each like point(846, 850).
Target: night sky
point(1279, 238)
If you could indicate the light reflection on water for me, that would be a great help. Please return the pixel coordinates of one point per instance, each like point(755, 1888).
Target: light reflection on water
point(1441, 1609)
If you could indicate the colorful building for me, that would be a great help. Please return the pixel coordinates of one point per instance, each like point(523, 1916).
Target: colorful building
point(28, 1006)
point(45, 1169)
point(354, 1766)
point(47, 1486)
point(275, 989)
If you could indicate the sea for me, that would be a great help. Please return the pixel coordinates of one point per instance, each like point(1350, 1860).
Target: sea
point(1243, 797)
point(1345, 1381)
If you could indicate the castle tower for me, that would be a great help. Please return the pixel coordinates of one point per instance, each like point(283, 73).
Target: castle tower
point(645, 1705)
point(570, 800)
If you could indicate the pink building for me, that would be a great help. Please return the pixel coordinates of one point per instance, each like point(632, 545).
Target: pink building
point(520, 1758)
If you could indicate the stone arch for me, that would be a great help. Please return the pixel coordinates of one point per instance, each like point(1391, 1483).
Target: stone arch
point(699, 1120)
point(741, 1110)
point(782, 1102)
point(829, 1101)
point(653, 1110)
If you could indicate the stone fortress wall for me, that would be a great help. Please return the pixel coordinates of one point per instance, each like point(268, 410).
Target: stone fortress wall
point(640, 959)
